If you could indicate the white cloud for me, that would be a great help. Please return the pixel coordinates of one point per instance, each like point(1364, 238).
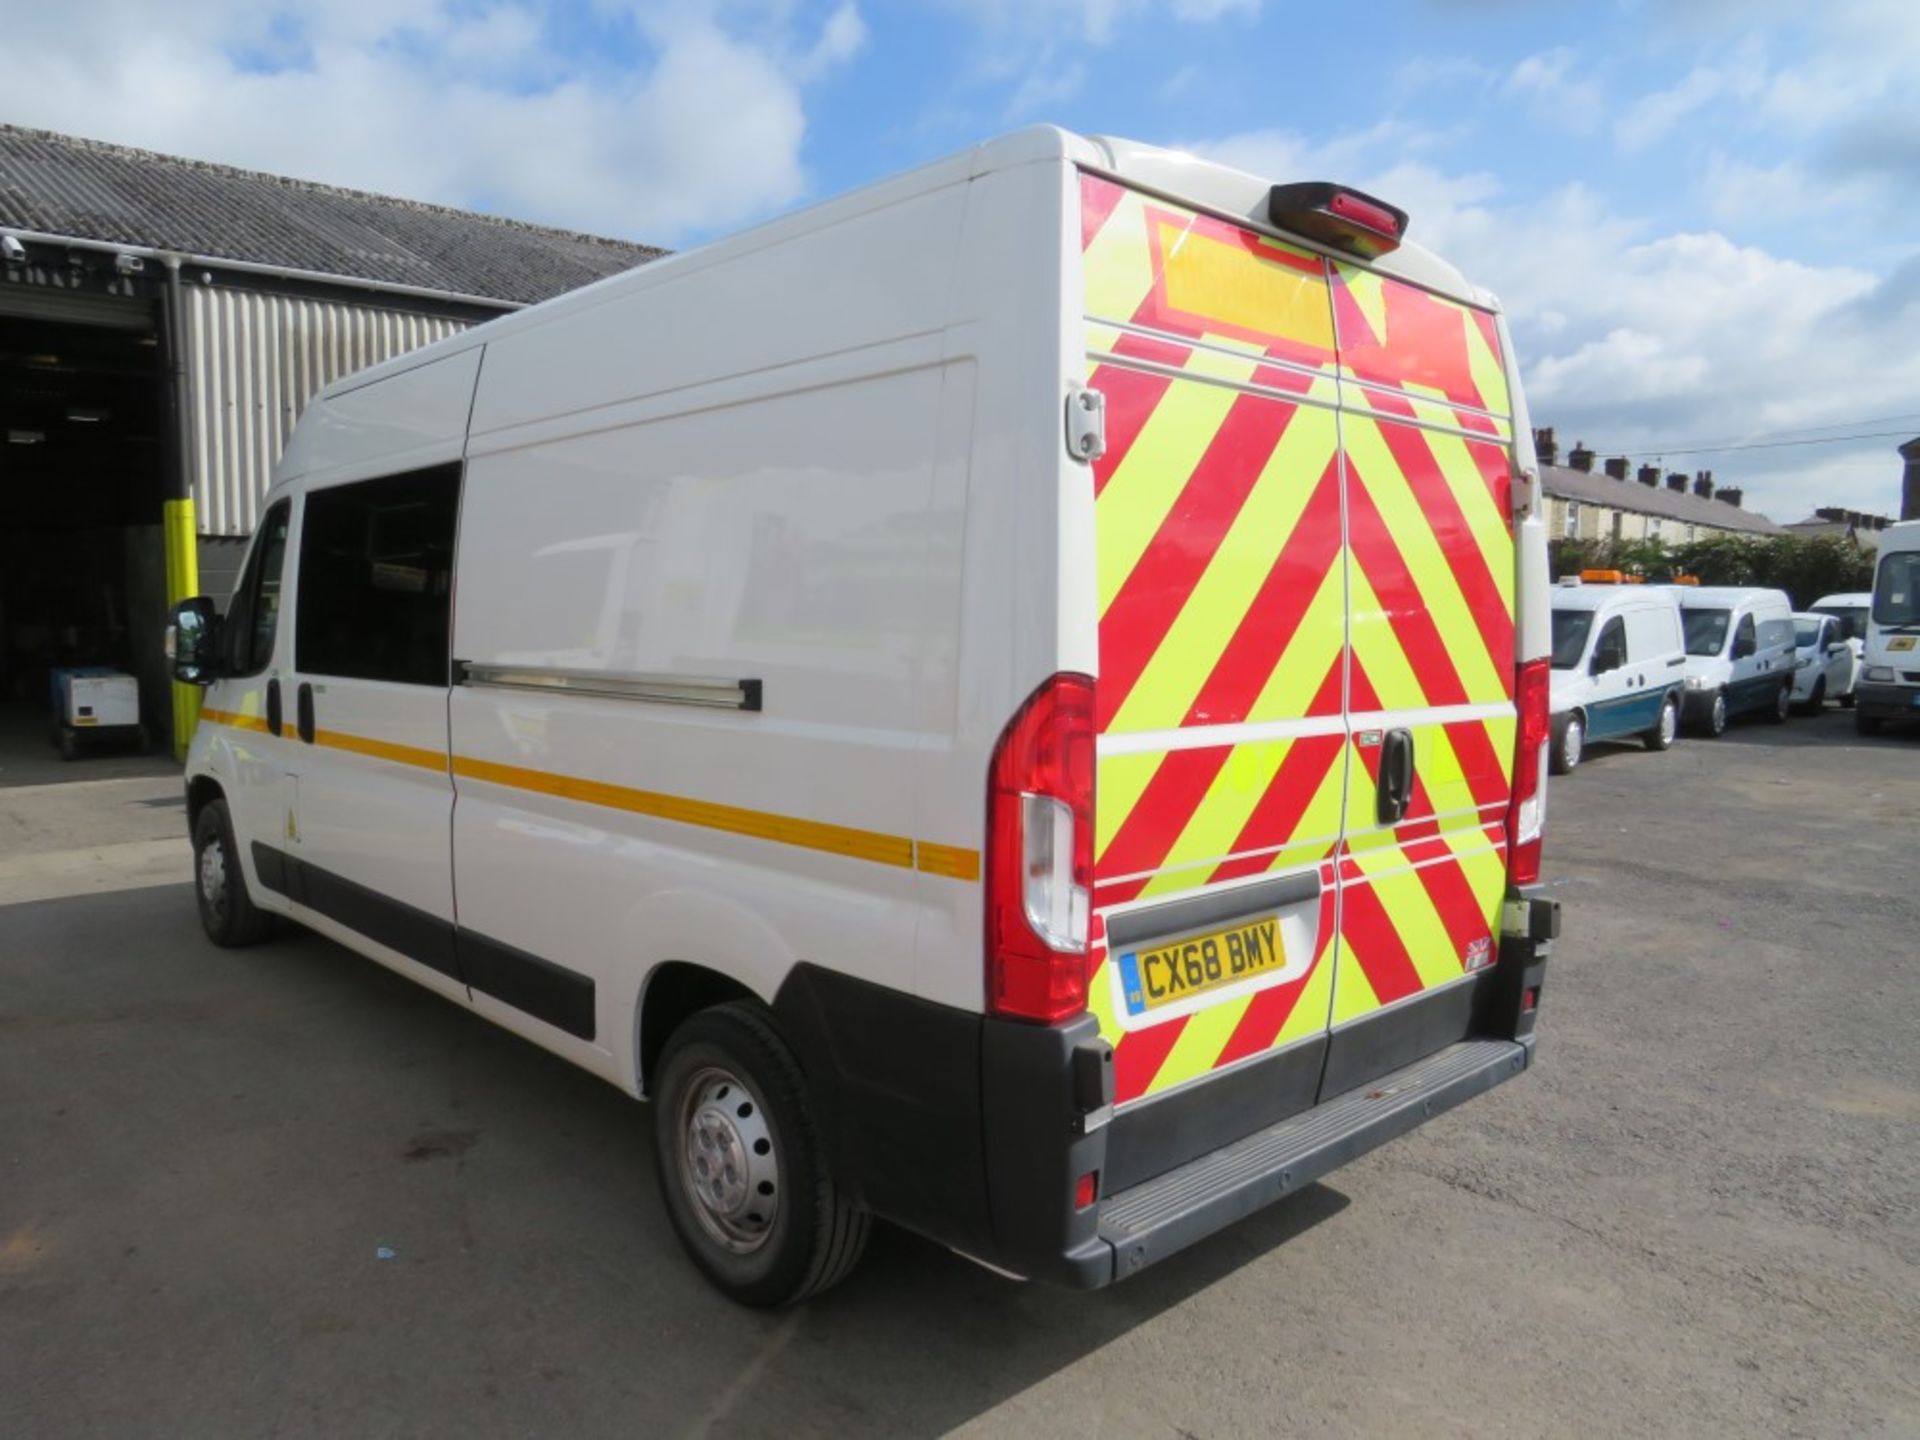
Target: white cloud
point(1629, 338)
point(438, 100)
point(1555, 90)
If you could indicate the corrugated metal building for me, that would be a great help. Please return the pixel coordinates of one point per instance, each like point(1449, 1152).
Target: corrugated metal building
point(163, 322)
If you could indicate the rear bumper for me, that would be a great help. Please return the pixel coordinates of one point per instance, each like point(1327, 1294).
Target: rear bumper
point(1155, 1219)
point(974, 1131)
point(1886, 702)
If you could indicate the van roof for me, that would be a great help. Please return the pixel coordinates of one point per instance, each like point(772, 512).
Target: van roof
point(1598, 597)
point(1202, 184)
point(1848, 598)
point(1726, 597)
point(1903, 536)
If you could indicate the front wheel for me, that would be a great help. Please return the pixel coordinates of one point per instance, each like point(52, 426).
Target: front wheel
point(1568, 746)
point(1661, 736)
point(742, 1168)
point(227, 912)
point(1717, 714)
point(1782, 705)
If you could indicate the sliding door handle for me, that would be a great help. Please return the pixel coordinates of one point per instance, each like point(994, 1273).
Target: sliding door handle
point(274, 715)
point(303, 711)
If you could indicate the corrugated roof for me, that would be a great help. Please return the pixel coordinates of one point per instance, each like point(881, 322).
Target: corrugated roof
point(1595, 488)
point(90, 190)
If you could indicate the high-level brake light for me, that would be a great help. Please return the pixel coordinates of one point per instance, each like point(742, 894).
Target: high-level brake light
point(1338, 216)
point(1039, 861)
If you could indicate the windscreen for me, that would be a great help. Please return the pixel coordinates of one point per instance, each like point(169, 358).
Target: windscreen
point(1570, 631)
point(1806, 633)
point(1896, 590)
point(1706, 631)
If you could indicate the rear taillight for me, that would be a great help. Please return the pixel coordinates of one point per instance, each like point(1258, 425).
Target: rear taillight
point(1527, 814)
point(1039, 864)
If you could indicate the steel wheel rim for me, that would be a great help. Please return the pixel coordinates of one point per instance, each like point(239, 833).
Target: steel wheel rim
point(729, 1167)
point(213, 878)
point(1571, 744)
point(1719, 713)
point(1669, 722)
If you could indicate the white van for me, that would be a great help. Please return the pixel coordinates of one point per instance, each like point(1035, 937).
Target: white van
point(1619, 665)
point(1825, 666)
point(1739, 654)
point(1889, 686)
point(1014, 701)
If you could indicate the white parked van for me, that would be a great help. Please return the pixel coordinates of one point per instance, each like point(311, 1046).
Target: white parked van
point(1739, 654)
point(1824, 664)
point(1014, 701)
point(1619, 665)
point(1890, 679)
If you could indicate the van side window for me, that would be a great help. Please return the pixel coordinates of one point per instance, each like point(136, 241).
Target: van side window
point(376, 578)
point(1743, 637)
point(1776, 632)
point(1610, 650)
point(253, 615)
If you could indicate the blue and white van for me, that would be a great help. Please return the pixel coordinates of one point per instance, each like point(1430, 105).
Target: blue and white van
point(1618, 665)
point(1740, 654)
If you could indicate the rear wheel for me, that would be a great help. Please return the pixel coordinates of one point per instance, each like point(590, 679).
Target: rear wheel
point(227, 912)
point(1661, 736)
point(1817, 701)
point(1569, 742)
point(1782, 705)
point(742, 1169)
point(1716, 722)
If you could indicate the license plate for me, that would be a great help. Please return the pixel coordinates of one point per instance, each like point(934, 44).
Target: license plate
point(1178, 970)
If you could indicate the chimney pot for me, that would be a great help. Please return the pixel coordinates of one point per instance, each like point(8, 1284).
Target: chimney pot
point(1649, 475)
point(1580, 458)
point(1833, 513)
point(1617, 467)
point(1677, 481)
point(1545, 447)
point(1703, 484)
point(1730, 494)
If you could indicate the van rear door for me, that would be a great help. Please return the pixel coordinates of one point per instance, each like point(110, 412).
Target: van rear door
point(1232, 523)
point(1426, 444)
point(1222, 756)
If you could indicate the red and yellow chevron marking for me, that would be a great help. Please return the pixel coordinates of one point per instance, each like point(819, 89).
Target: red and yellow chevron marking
point(1396, 335)
point(1251, 568)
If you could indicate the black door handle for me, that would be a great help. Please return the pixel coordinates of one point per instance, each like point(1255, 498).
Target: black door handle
point(1396, 776)
point(273, 707)
point(303, 711)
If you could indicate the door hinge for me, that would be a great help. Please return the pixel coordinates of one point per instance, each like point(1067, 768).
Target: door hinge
point(1086, 423)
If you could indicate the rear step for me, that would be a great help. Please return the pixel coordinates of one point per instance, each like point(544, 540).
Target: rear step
point(1154, 1219)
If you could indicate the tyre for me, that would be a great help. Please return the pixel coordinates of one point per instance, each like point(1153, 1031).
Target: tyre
point(742, 1168)
point(1716, 721)
point(1661, 736)
point(227, 912)
point(1817, 701)
point(1782, 705)
point(1866, 724)
point(1569, 741)
point(1846, 700)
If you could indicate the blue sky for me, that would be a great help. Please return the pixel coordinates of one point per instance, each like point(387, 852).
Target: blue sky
point(1701, 214)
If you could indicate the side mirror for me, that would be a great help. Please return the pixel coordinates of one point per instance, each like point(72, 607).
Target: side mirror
point(193, 641)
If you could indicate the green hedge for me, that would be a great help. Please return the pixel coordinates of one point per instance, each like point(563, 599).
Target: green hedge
point(1806, 568)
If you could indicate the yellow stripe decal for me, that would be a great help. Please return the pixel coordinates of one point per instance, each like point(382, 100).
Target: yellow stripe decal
point(952, 861)
point(382, 750)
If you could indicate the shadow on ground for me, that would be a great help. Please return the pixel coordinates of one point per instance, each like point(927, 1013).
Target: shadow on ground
point(196, 1244)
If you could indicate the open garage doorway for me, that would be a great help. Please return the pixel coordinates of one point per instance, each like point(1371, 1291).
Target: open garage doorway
point(82, 484)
